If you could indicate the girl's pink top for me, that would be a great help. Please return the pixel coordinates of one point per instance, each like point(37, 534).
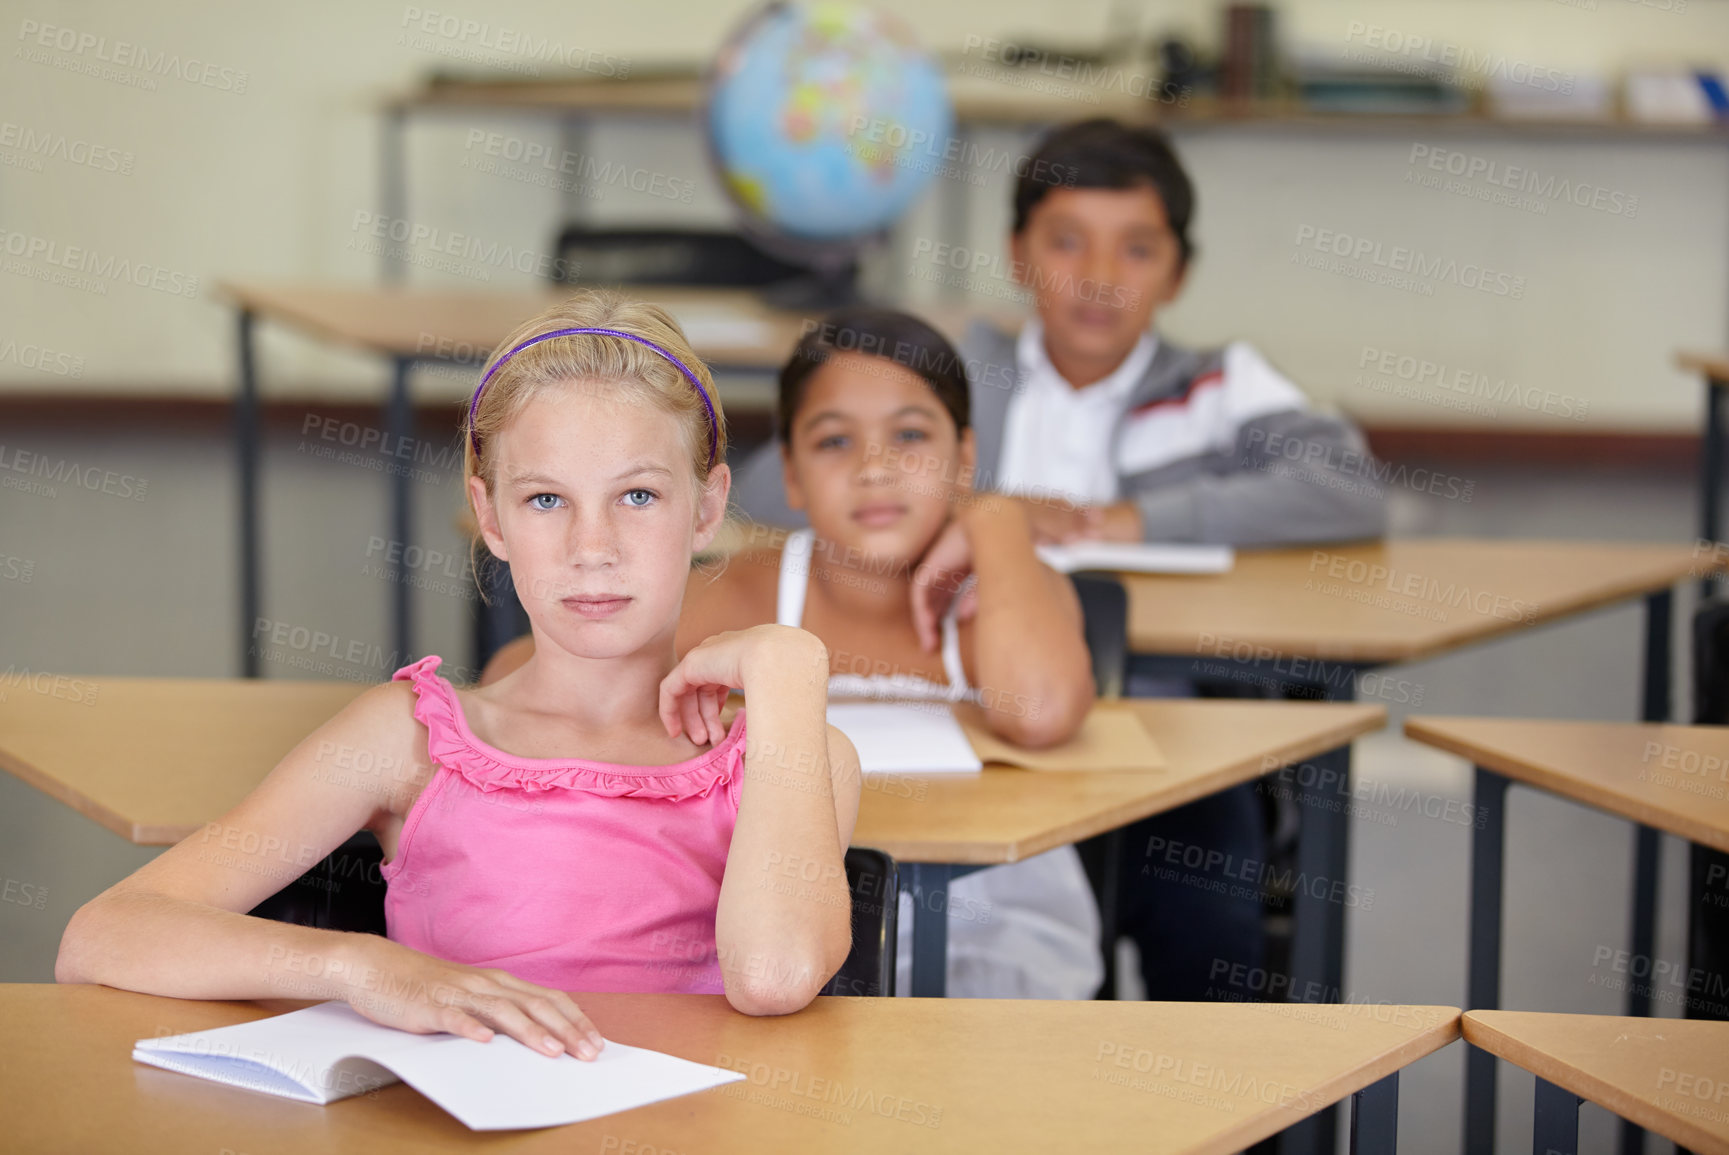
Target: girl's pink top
point(576, 875)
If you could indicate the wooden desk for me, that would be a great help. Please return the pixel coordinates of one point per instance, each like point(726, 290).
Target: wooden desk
point(155, 759)
point(1714, 368)
point(1317, 619)
point(1008, 815)
point(730, 329)
point(1670, 1076)
point(1673, 778)
point(910, 1075)
point(944, 826)
point(1393, 601)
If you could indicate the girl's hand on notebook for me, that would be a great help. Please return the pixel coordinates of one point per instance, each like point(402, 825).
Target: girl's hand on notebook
point(692, 695)
point(474, 1002)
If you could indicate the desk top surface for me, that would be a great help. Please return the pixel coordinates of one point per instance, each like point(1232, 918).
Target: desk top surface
point(1670, 1076)
point(1006, 815)
point(1389, 601)
point(728, 328)
point(153, 759)
point(1673, 778)
point(731, 328)
point(843, 1075)
point(1715, 366)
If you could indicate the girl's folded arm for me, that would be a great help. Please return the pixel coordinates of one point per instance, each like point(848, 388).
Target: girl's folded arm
point(784, 924)
point(178, 925)
point(1029, 649)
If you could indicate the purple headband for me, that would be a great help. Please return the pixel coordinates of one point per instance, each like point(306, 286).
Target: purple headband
point(713, 421)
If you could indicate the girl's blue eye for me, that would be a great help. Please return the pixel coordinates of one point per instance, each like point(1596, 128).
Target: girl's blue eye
point(913, 435)
point(638, 498)
point(536, 501)
point(834, 441)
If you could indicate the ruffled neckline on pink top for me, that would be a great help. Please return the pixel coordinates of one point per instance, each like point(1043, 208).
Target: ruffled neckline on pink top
point(451, 743)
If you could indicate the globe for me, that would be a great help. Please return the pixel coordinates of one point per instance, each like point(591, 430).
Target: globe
point(825, 121)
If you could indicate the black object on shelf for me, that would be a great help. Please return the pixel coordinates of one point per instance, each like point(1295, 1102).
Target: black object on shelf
point(707, 258)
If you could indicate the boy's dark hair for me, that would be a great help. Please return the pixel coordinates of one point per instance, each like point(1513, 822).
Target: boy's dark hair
point(894, 336)
point(1104, 153)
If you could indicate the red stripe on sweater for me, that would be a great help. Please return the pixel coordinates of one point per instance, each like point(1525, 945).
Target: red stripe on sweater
point(1216, 377)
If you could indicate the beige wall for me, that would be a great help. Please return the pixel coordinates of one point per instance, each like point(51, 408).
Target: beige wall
point(268, 182)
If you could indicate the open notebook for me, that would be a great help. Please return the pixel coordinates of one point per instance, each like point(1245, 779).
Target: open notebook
point(330, 1051)
point(905, 737)
point(937, 738)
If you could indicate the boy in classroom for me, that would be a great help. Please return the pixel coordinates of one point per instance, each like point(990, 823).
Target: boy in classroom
point(587, 823)
point(1102, 429)
point(874, 428)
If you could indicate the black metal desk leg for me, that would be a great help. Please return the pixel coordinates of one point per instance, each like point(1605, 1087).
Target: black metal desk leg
point(1483, 974)
point(1375, 1118)
point(1654, 703)
point(1317, 908)
point(1317, 913)
point(1653, 707)
point(399, 434)
point(1711, 472)
point(1110, 894)
point(930, 883)
point(1323, 859)
point(246, 444)
point(1555, 1121)
point(1644, 930)
point(1644, 945)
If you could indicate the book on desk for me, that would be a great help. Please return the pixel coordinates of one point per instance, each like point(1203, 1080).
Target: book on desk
point(330, 1052)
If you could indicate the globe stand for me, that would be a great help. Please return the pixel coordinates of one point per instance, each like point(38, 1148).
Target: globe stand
point(820, 290)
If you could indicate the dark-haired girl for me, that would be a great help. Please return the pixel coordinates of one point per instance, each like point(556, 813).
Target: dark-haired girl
point(920, 589)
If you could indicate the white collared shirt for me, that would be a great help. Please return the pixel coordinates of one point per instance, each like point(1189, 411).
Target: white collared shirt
point(1062, 441)
point(1056, 438)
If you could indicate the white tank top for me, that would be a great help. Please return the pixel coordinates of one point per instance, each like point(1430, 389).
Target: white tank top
point(789, 611)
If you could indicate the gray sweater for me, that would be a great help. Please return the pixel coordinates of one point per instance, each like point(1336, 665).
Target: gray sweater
point(1286, 475)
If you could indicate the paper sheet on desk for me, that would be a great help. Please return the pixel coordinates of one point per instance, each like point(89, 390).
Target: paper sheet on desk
point(705, 327)
point(1109, 740)
point(905, 737)
point(1138, 557)
point(329, 1052)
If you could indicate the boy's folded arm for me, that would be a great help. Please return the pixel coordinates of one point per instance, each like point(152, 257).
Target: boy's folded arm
point(178, 925)
point(1292, 477)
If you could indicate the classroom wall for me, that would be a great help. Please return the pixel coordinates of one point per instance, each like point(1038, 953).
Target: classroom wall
point(267, 168)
